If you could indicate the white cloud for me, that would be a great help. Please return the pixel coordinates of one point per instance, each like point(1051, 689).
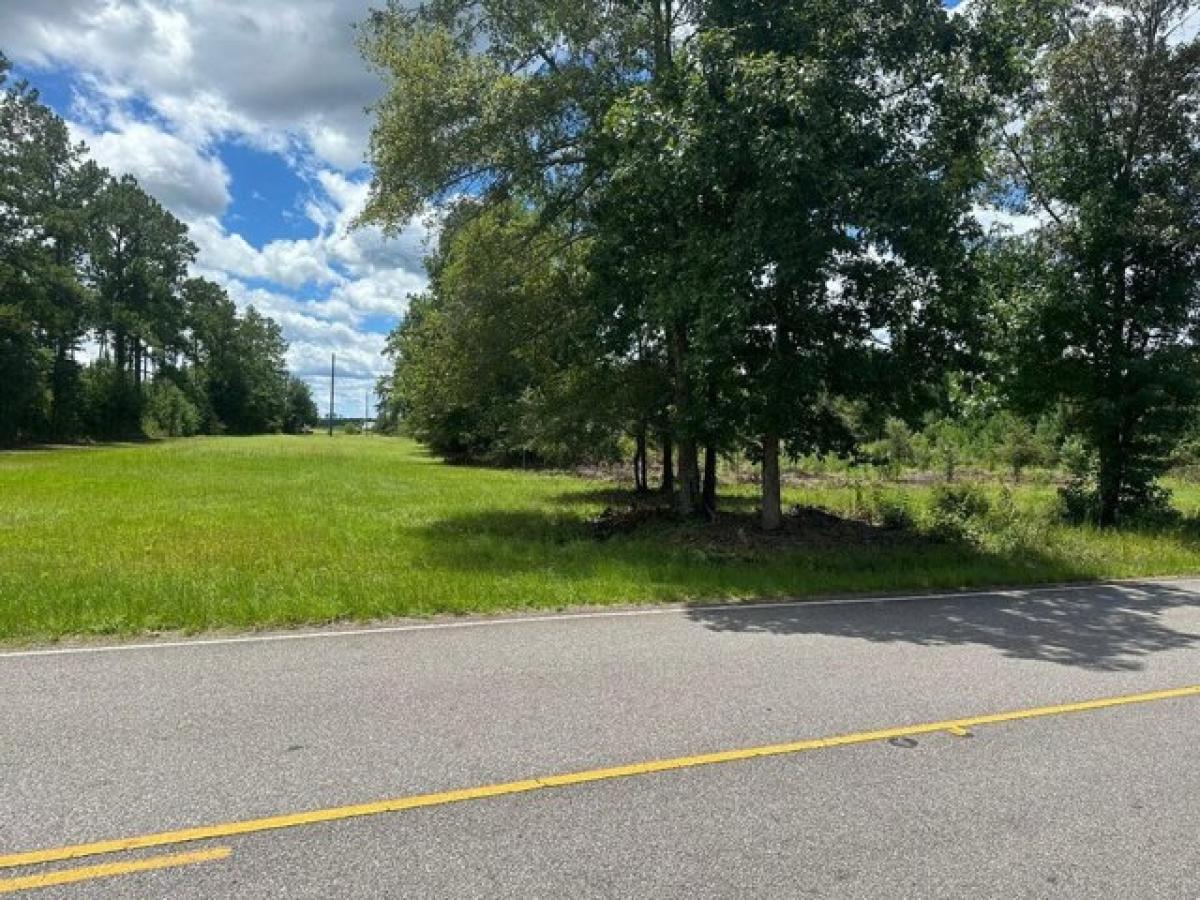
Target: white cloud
point(365, 273)
point(181, 177)
point(276, 72)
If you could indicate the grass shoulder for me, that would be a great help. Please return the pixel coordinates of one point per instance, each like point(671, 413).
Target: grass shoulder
point(220, 533)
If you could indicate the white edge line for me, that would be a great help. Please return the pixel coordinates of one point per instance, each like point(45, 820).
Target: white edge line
point(1015, 592)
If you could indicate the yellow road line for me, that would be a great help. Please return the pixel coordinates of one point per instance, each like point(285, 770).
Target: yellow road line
point(109, 870)
point(270, 823)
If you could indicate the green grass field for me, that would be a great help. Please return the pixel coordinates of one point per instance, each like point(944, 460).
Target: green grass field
point(247, 532)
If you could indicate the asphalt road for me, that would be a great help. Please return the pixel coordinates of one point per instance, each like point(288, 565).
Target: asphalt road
point(1063, 802)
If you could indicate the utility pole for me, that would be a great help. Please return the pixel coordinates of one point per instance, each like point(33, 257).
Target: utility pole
point(366, 408)
point(332, 381)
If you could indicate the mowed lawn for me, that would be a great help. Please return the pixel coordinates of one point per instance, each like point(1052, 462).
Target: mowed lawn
point(268, 531)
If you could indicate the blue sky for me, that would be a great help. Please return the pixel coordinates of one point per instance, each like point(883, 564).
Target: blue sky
point(248, 121)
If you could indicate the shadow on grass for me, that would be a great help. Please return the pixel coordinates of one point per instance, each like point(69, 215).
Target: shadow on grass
point(625, 498)
point(48, 446)
point(816, 552)
point(1103, 628)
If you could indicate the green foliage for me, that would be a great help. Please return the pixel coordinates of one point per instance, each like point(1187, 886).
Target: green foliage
point(963, 502)
point(300, 411)
point(889, 510)
point(897, 447)
point(20, 374)
point(113, 403)
point(83, 256)
point(1013, 529)
point(957, 512)
point(1017, 445)
point(168, 411)
point(498, 361)
point(1103, 319)
point(946, 441)
point(749, 239)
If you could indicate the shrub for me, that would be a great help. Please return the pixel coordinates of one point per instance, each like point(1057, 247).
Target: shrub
point(1148, 505)
point(352, 428)
point(169, 413)
point(957, 512)
point(1017, 444)
point(946, 442)
point(1011, 528)
point(896, 448)
point(889, 511)
point(1143, 502)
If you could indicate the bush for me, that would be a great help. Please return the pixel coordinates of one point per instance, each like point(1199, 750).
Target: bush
point(895, 449)
point(1012, 529)
point(947, 441)
point(965, 501)
point(1147, 506)
point(1144, 502)
point(21, 395)
point(169, 413)
point(1017, 444)
point(889, 512)
point(352, 428)
point(958, 512)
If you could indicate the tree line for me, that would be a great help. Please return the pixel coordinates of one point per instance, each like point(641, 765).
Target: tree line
point(87, 258)
point(702, 227)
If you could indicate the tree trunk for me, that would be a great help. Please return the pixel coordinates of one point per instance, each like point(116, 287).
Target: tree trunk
point(1110, 478)
point(772, 504)
point(668, 465)
point(710, 481)
point(687, 494)
point(59, 403)
point(120, 352)
point(639, 463)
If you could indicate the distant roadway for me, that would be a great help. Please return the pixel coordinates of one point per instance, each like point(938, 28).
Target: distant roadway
point(1041, 743)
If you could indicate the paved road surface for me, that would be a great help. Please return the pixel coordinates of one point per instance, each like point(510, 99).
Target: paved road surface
point(1096, 802)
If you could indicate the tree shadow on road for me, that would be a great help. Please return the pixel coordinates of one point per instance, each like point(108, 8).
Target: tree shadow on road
point(1102, 628)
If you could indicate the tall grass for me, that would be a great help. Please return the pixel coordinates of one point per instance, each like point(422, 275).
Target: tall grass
point(267, 531)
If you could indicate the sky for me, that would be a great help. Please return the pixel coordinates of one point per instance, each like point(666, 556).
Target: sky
point(247, 119)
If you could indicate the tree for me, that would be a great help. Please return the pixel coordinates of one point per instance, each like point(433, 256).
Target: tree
point(947, 440)
point(837, 146)
point(497, 360)
point(1108, 156)
point(300, 411)
point(85, 255)
point(1016, 442)
point(45, 192)
point(501, 102)
point(262, 350)
point(895, 447)
point(138, 255)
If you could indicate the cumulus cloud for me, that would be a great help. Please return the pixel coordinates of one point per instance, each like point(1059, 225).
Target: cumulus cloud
point(185, 180)
point(365, 272)
point(282, 73)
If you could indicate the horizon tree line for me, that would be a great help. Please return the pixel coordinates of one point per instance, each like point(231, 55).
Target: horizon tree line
point(87, 258)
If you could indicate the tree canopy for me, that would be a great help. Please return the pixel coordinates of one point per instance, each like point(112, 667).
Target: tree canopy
point(90, 262)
